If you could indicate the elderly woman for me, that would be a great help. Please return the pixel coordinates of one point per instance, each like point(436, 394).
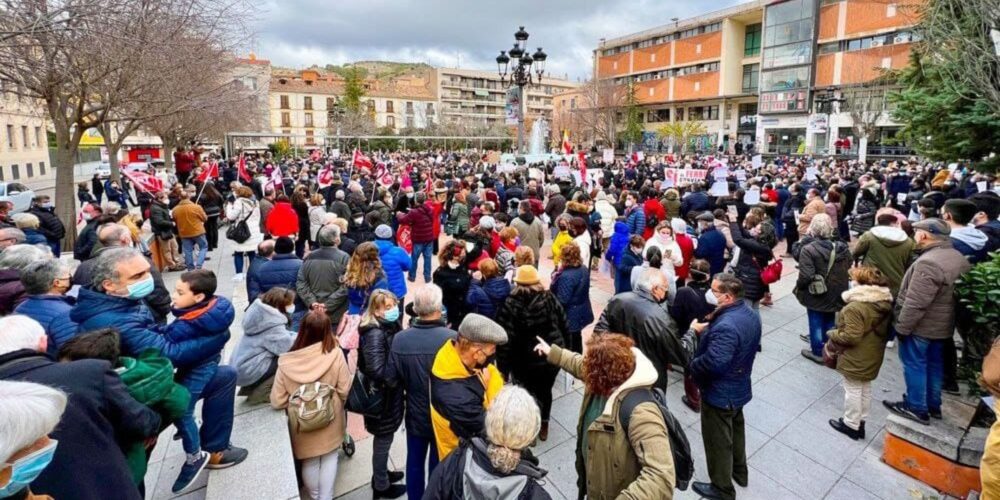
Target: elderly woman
point(607, 462)
point(825, 261)
point(30, 413)
point(28, 224)
point(571, 285)
point(512, 422)
point(13, 261)
point(244, 208)
point(531, 312)
point(317, 209)
point(45, 283)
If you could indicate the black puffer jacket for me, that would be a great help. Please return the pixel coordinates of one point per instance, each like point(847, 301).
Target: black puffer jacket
point(455, 285)
point(160, 221)
point(754, 255)
point(49, 223)
point(525, 316)
point(814, 258)
point(373, 361)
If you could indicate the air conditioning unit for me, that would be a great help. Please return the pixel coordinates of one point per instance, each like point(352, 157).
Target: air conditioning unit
point(878, 42)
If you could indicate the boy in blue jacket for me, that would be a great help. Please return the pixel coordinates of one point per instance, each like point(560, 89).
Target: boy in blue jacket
point(199, 313)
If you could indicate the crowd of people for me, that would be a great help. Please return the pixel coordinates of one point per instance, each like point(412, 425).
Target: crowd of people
point(465, 356)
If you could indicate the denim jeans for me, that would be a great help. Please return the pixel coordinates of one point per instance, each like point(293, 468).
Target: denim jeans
point(189, 259)
point(418, 452)
point(427, 250)
point(195, 380)
point(923, 370)
point(238, 258)
point(819, 323)
point(218, 396)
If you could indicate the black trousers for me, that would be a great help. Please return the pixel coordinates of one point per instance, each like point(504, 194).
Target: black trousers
point(539, 384)
point(724, 436)
point(791, 235)
point(212, 232)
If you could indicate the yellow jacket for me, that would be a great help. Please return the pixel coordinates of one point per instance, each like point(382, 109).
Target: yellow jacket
point(459, 398)
point(561, 239)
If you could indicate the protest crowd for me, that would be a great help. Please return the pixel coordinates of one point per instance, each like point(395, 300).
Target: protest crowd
point(406, 287)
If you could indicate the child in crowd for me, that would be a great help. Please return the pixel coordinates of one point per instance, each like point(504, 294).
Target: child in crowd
point(199, 313)
point(149, 379)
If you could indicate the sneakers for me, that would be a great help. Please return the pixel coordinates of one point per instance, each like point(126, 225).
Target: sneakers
point(227, 457)
point(238, 277)
point(808, 354)
point(903, 410)
point(189, 472)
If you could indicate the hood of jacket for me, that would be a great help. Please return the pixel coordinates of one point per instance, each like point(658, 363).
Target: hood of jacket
point(621, 228)
point(871, 294)
point(575, 206)
point(214, 315)
point(527, 217)
point(496, 288)
point(672, 194)
point(889, 236)
point(481, 479)
point(308, 364)
point(261, 317)
point(384, 246)
point(971, 236)
point(643, 375)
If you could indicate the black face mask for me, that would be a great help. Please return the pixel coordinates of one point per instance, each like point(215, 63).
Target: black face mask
point(489, 361)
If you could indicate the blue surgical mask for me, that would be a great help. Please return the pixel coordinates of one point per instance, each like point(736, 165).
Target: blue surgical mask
point(26, 469)
point(140, 289)
point(392, 315)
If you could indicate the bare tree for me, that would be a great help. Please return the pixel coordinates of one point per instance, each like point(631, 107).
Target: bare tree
point(600, 110)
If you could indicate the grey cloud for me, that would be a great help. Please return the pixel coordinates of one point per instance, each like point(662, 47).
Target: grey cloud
point(303, 32)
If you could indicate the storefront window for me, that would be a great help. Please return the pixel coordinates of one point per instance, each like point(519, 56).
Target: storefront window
point(787, 55)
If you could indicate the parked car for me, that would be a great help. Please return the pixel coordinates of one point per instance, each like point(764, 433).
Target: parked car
point(18, 194)
point(103, 170)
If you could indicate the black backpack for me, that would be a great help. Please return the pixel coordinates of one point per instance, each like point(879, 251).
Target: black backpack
point(679, 447)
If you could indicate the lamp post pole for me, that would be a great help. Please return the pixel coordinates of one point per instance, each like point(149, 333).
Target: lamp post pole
point(520, 75)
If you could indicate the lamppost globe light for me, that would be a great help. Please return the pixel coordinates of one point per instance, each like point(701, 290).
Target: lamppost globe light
point(521, 35)
point(516, 51)
point(518, 62)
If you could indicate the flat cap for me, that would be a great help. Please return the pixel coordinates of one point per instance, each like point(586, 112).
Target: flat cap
point(478, 328)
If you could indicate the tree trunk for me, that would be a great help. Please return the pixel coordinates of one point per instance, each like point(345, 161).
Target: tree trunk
point(113, 148)
point(65, 200)
point(168, 154)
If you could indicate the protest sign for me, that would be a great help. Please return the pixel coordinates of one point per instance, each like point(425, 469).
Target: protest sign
point(719, 188)
point(609, 156)
point(811, 173)
point(751, 197)
point(756, 161)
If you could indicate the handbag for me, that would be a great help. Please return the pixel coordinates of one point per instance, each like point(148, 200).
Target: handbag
point(310, 407)
point(817, 286)
point(240, 232)
point(771, 273)
point(364, 398)
point(347, 331)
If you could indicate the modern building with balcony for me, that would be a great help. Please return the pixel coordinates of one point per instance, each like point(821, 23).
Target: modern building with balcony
point(24, 152)
point(478, 97)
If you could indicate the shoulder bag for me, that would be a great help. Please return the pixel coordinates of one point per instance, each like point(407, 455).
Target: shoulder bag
point(818, 284)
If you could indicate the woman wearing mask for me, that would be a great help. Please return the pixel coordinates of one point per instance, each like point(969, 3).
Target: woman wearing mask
point(571, 285)
point(315, 357)
point(631, 257)
point(379, 324)
point(453, 278)
point(244, 208)
point(30, 413)
point(265, 337)
point(859, 336)
point(693, 302)
point(531, 311)
point(821, 256)
point(663, 239)
point(752, 256)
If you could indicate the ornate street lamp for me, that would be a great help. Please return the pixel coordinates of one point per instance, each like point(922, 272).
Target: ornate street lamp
point(514, 67)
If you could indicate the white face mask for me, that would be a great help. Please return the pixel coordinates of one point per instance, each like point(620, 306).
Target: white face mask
point(358, 220)
point(629, 203)
point(453, 265)
point(290, 308)
point(711, 298)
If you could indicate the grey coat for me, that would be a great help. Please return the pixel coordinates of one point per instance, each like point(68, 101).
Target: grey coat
point(321, 280)
point(925, 306)
point(815, 259)
point(265, 336)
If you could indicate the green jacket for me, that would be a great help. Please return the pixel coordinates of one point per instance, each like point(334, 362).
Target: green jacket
point(149, 379)
point(671, 203)
point(636, 465)
point(862, 327)
point(887, 249)
point(458, 219)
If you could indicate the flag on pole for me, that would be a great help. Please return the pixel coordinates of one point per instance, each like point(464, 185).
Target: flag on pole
point(241, 169)
point(276, 179)
point(315, 155)
point(566, 146)
point(209, 170)
point(581, 158)
point(360, 160)
point(143, 181)
point(325, 177)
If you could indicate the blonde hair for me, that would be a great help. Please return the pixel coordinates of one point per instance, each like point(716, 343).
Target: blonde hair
point(512, 422)
point(524, 256)
point(821, 226)
point(25, 220)
point(365, 266)
point(379, 301)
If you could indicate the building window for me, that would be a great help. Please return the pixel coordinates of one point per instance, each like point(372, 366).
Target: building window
point(307, 103)
point(330, 103)
point(409, 122)
point(710, 113)
point(430, 109)
point(659, 115)
point(751, 40)
point(890, 10)
point(309, 137)
point(284, 102)
point(309, 119)
point(41, 169)
point(751, 75)
point(10, 137)
point(15, 172)
point(31, 170)
point(24, 137)
point(286, 119)
point(390, 121)
point(679, 113)
point(388, 107)
point(409, 107)
point(39, 143)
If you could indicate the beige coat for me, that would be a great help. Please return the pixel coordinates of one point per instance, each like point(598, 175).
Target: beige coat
point(812, 209)
point(305, 366)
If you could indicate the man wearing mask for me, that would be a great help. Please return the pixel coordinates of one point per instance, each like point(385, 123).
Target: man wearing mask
point(88, 235)
point(642, 315)
point(5, 208)
point(50, 225)
point(924, 319)
point(726, 346)
point(161, 223)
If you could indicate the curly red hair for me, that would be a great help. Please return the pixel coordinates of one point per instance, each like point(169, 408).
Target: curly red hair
point(608, 363)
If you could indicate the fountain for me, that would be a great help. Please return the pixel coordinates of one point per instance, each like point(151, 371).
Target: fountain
point(536, 143)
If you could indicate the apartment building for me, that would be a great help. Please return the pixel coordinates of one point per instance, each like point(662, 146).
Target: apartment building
point(703, 69)
point(788, 76)
point(478, 97)
point(24, 152)
point(301, 103)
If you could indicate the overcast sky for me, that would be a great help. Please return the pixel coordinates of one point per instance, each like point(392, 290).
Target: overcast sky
point(299, 33)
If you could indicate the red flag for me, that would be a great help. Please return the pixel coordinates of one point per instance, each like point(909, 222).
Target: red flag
point(212, 171)
point(242, 171)
point(143, 181)
point(276, 179)
point(566, 145)
point(581, 158)
point(315, 156)
point(325, 177)
point(360, 160)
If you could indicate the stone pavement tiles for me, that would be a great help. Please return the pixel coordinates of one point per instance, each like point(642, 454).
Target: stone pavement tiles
point(793, 453)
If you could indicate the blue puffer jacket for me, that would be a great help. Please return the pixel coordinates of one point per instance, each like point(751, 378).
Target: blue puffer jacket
point(486, 298)
point(52, 312)
point(712, 247)
point(138, 329)
point(396, 263)
point(282, 270)
point(204, 320)
point(618, 243)
point(572, 287)
point(623, 272)
point(636, 220)
point(357, 298)
point(722, 363)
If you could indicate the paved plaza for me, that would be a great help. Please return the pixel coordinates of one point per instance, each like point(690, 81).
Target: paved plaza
point(793, 453)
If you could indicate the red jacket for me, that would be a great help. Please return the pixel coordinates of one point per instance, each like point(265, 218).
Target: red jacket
point(282, 221)
point(652, 207)
point(437, 207)
point(421, 219)
point(687, 250)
